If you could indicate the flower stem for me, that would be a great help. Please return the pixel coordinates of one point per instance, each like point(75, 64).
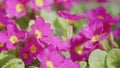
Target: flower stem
point(103, 47)
point(112, 41)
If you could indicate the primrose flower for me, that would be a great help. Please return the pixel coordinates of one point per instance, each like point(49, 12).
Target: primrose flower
point(48, 60)
point(3, 47)
point(25, 56)
point(66, 3)
point(95, 32)
point(41, 30)
point(80, 48)
point(41, 4)
point(12, 37)
point(4, 21)
point(57, 43)
point(100, 14)
point(2, 7)
point(116, 32)
point(18, 7)
point(71, 17)
point(33, 47)
point(2, 41)
point(68, 63)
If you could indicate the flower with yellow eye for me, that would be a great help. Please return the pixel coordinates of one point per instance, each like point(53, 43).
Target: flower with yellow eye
point(25, 56)
point(33, 47)
point(41, 30)
point(41, 4)
point(48, 59)
point(18, 7)
point(14, 35)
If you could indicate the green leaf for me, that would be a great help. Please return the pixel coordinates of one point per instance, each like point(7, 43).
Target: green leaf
point(83, 64)
point(5, 57)
point(97, 59)
point(113, 59)
point(14, 63)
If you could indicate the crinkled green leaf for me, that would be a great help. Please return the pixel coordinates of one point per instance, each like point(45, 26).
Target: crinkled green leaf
point(14, 63)
point(5, 57)
point(113, 59)
point(83, 64)
point(97, 59)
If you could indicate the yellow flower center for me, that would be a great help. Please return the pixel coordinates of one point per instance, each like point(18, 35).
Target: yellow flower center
point(79, 49)
point(101, 17)
point(25, 55)
point(38, 33)
point(19, 7)
point(2, 45)
point(39, 3)
point(95, 38)
point(49, 64)
point(13, 39)
point(33, 49)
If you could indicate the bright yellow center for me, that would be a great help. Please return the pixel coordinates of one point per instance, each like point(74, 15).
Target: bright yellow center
point(79, 49)
point(2, 45)
point(38, 33)
point(95, 38)
point(33, 49)
point(25, 55)
point(19, 7)
point(49, 64)
point(101, 17)
point(13, 39)
point(39, 3)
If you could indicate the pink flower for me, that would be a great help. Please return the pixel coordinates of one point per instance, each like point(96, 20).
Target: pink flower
point(33, 47)
point(67, 63)
point(41, 4)
point(4, 21)
point(81, 48)
point(2, 7)
point(57, 43)
point(71, 17)
point(25, 56)
point(68, 4)
point(100, 14)
point(48, 60)
point(41, 30)
point(18, 7)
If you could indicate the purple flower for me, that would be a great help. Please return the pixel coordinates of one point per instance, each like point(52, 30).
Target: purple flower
point(81, 48)
point(69, 16)
point(117, 32)
point(12, 36)
point(2, 7)
point(57, 43)
point(48, 60)
point(4, 21)
point(33, 47)
point(67, 63)
point(41, 30)
point(66, 3)
point(41, 4)
point(25, 56)
point(18, 7)
point(96, 32)
point(100, 14)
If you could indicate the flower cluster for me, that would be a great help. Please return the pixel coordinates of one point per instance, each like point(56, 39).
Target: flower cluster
point(39, 43)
